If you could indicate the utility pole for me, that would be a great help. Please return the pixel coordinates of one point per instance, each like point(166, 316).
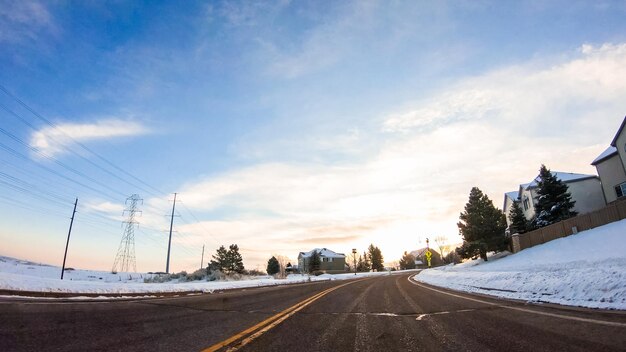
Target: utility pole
point(169, 244)
point(68, 238)
point(354, 258)
point(202, 260)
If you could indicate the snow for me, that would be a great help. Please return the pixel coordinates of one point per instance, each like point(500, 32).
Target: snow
point(19, 275)
point(324, 252)
point(512, 195)
point(587, 270)
point(563, 176)
point(607, 152)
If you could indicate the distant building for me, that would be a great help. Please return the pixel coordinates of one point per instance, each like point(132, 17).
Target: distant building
point(330, 262)
point(422, 262)
point(610, 167)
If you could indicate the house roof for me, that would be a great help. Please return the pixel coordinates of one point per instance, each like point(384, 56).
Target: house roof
point(419, 252)
point(619, 131)
point(566, 177)
point(512, 196)
point(607, 153)
point(324, 252)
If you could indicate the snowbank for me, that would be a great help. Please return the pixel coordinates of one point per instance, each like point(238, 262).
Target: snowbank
point(19, 275)
point(587, 269)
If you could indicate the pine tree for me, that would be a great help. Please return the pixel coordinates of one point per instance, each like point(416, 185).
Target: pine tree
point(519, 224)
point(227, 261)
point(554, 202)
point(235, 261)
point(376, 258)
point(367, 263)
point(407, 261)
point(315, 262)
point(482, 227)
point(360, 266)
point(272, 266)
point(220, 260)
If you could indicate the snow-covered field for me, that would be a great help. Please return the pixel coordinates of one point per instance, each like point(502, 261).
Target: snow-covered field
point(587, 269)
point(20, 275)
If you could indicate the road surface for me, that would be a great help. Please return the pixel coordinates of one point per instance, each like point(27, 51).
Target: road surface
point(387, 313)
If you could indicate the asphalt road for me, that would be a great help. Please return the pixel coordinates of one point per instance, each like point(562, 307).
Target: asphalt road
point(388, 313)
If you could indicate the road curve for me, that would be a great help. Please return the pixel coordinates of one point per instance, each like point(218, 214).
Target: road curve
point(387, 313)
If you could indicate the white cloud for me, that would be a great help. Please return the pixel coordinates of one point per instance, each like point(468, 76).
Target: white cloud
point(24, 20)
point(568, 94)
point(53, 140)
point(492, 131)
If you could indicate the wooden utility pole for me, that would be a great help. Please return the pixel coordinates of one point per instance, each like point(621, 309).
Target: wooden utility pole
point(169, 243)
point(202, 260)
point(68, 238)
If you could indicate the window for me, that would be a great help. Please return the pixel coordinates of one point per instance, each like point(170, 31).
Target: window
point(620, 190)
point(526, 203)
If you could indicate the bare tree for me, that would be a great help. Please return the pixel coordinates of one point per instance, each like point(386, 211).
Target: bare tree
point(352, 260)
point(282, 263)
point(442, 244)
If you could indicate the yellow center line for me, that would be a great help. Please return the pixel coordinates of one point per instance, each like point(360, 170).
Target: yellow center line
point(269, 323)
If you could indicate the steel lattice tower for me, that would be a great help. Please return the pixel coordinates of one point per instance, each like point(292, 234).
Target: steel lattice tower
point(125, 257)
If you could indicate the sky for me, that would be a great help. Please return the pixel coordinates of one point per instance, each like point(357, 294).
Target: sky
point(289, 125)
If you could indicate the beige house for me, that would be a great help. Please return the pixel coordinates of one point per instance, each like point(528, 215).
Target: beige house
point(586, 191)
point(610, 167)
point(330, 262)
point(509, 198)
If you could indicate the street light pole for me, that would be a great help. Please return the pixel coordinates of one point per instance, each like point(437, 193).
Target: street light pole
point(354, 258)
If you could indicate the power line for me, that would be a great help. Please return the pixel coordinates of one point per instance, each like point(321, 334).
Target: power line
point(84, 147)
point(58, 162)
point(52, 171)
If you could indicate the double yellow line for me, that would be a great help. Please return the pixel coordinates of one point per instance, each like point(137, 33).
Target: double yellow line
point(243, 338)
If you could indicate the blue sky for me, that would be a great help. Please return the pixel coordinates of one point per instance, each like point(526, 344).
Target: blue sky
point(289, 125)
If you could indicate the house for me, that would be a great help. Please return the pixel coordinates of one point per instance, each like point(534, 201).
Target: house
point(330, 262)
point(586, 191)
point(509, 198)
point(610, 167)
point(422, 262)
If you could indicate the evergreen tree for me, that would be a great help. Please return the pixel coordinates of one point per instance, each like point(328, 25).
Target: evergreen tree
point(227, 261)
point(376, 258)
point(519, 224)
point(220, 260)
point(235, 261)
point(482, 227)
point(367, 263)
point(314, 262)
point(360, 265)
point(272, 266)
point(554, 202)
point(407, 261)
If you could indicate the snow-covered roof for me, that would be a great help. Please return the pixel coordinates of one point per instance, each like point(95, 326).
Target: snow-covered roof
point(619, 131)
point(419, 252)
point(608, 152)
point(563, 176)
point(324, 252)
point(512, 196)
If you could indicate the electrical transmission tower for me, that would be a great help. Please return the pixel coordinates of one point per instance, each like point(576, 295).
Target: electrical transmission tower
point(125, 257)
